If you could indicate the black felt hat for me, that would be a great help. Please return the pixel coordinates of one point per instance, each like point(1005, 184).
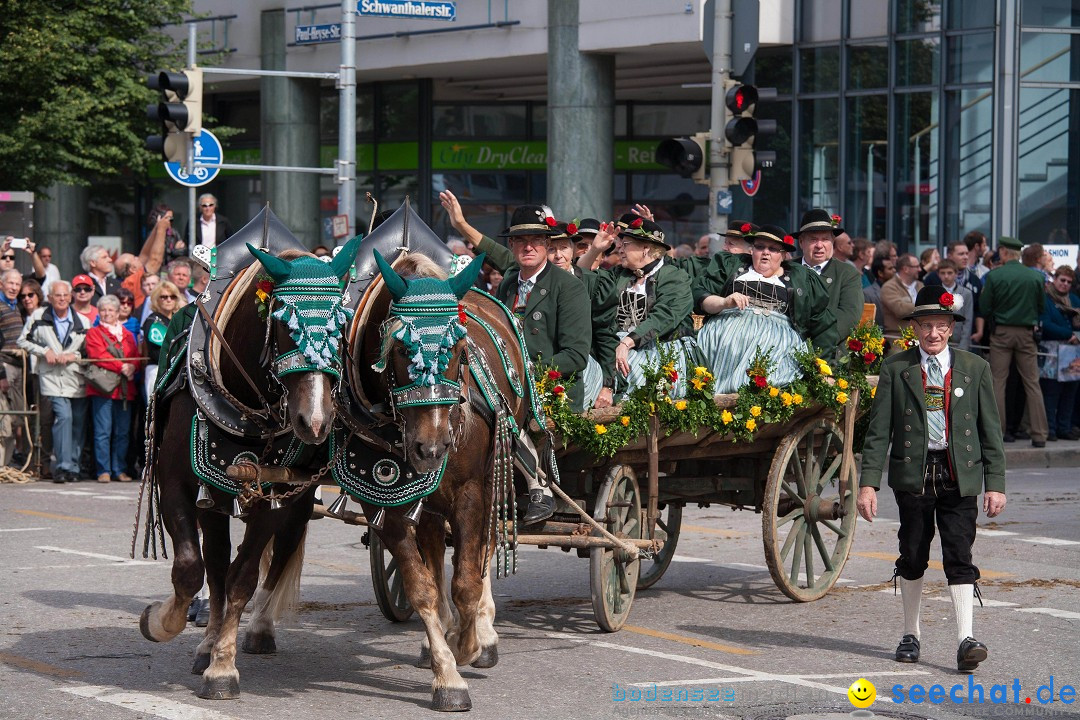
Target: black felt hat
point(638, 228)
point(819, 219)
point(936, 300)
point(588, 226)
point(566, 231)
point(531, 220)
point(740, 229)
point(774, 233)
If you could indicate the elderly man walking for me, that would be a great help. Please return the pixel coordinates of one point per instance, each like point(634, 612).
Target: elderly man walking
point(54, 334)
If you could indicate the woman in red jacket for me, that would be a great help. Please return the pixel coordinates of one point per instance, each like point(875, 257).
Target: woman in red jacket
point(112, 412)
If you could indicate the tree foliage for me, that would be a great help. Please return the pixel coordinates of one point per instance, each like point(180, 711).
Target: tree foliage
point(73, 83)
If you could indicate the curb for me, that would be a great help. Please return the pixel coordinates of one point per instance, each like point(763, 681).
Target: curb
point(1065, 454)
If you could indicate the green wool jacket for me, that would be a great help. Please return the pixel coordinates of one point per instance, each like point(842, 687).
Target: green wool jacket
point(844, 284)
point(1013, 294)
point(556, 323)
point(692, 266)
point(898, 419)
point(668, 299)
point(602, 308)
point(810, 312)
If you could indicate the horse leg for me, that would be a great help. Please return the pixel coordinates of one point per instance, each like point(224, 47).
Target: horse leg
point(280, 589)
point(485, 627)
point(467, 585)
point(217, 551)
point(221, 681)
point(431, 538)
point(449, 691)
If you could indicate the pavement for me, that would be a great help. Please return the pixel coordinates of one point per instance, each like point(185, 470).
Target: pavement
point(1061, 453)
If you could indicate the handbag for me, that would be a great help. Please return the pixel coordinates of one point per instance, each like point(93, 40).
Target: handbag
point(102, 379)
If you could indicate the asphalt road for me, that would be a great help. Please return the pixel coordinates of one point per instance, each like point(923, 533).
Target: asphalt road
point(70, 645)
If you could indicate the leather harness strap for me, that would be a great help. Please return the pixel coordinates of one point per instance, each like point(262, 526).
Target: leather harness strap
point(239, 366)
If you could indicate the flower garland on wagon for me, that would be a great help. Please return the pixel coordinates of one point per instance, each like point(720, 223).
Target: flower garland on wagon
point(759, 402)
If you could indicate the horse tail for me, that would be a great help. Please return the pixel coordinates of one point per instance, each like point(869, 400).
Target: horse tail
point(285, 597)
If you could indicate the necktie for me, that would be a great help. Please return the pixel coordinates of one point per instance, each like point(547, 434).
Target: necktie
point(524, 288)
point(935, 401)
point(818, 268)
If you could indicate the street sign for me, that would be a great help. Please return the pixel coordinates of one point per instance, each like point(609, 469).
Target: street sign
point(314, 34)
point(207, 150)
point(744, 32)
point(408, 9)
point(723, 202)
point(751, 187)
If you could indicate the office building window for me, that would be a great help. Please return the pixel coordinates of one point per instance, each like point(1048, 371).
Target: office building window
point(968, 161)
point(819, 157)
point(867, 175)
point(918, 172)
point(1048, 174)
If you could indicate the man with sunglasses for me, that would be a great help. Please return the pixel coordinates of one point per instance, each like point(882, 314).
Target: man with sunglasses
point(935, 407)
point(213, 228)
point(82, 298)
point(12, 393)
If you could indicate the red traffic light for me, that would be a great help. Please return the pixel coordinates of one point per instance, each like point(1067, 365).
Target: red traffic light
point(741, 98)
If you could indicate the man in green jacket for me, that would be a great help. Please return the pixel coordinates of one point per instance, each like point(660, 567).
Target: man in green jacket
point(817, 237)
point(935, 407)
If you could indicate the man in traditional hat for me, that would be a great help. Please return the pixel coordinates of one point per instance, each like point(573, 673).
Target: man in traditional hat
point(1012, 300)
point(817, 234)
point(935, 406)
point(736, 237)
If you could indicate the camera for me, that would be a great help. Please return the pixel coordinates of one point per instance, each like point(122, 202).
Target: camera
point(19, 243)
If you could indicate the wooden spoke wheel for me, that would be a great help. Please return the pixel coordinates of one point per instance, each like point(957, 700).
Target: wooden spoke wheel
point(808, 513)
point(387, 581)
point(667, 529)
point(613, 572)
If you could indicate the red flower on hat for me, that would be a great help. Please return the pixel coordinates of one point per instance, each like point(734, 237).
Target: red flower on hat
point(789, 240)
point(946, 300)
point(836, 220)
point(266, 286)
point(551, 222)
point(571, 229)
point(744, 228)
point(636, 224)
point(554, 374)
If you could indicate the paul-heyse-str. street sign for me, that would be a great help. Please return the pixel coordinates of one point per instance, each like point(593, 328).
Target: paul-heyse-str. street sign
point(408, 9)
point(314, 34)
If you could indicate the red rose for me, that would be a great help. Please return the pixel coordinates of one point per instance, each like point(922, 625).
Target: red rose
point(461, 316)
point(551, 222)
point(789, 240)
point(558, 389)
point(760, 381)
point(636, 224)
point(674, 376)
point(869, 358)
point(266, 286)
point(946, 300)
point(745, 228)
point(836, 219)
point(571, 229)
point(854, 345)
point(554, 374)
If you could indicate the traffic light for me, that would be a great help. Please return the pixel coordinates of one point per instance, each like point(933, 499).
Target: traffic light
point(180, 112)
point(743, 132)
point(685, 155)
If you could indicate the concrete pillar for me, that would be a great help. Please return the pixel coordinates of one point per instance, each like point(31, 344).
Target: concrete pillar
point(581, 121)
point(60, 223)
point(290, 136)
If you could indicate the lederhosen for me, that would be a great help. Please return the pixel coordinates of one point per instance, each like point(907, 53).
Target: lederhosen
point(938, 499)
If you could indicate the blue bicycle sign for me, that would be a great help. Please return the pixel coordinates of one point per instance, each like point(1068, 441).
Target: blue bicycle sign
point(207, 152)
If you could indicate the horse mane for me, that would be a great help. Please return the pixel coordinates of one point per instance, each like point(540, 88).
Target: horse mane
point(417, 265)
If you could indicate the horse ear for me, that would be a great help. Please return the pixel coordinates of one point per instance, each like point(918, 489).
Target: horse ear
point(464, 280)
point(394, 282)
point(345, 257)
point(275, 266)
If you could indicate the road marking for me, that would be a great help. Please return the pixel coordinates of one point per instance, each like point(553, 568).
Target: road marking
point(689, 559)
point(747, 566)
point(1053, 612)
point(747, 679)
point(53, 516)
point(1048, 541)
point(99, 556)
point(985, 601)
point(715, 531)
point(146, 703)
point(127, 563)
point(79, 493)
point(1067, 614)
point(935, 564)
point(22, 529)
point(37, 666)
point(995, 533)
point(688, 640)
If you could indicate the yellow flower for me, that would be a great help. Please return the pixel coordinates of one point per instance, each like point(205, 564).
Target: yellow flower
point(700, 370)
point(625, 420)
point(786, 399)
point(797, 399)
point(873, 391)
point(668, 400)
point(698, 384)
point(841, 397)
point(756, 411)
point(751, 425)
point(261, 295)
point(824, 368)
point(601, 429)
point(680, 405)
point(774, 391)
point(726, 417)
point(842, 383)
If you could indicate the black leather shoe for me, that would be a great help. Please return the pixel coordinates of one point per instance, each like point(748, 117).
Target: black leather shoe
point(970, 654)
point(541, 507)
point(202, 618)
point(193, 609)
point(1008, 437)
point(1022, 435)
point(908, 649)
point(1038, 443)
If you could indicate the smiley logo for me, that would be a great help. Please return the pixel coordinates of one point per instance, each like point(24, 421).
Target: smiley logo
point(862, 693)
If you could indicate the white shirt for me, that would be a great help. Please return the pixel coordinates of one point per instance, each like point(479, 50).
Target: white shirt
point(51, 273)
point(815, 268)
point(911, 290)
point(944, 359)
point(209, 230)
point(638, 286)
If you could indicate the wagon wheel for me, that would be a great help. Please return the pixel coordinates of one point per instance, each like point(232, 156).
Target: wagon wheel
point(613, 574)
point(808, 514)
point(667, 529)
point(387, 582)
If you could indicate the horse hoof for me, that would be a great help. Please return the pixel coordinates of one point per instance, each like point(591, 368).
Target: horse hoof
point(148, 613)
point(224, 687)
point(489, 657)
point(259, 644)
point(425, 658)
point(202, 661)
point(451, 700)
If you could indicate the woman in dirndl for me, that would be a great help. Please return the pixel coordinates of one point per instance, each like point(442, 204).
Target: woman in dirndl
point(760, 302)
point(652, 302)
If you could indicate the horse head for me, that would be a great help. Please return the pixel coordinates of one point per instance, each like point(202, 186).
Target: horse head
point(303, 301)
point(422, 353)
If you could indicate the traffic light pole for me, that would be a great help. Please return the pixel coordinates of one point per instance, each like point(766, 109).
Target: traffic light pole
point(721, 71)
point(347, 115)
point(189, 164)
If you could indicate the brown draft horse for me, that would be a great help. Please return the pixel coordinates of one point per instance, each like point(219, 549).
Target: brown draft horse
point(309, 414)
point(464, 496)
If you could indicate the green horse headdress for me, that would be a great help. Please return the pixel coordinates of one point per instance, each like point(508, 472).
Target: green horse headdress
point(308, 297)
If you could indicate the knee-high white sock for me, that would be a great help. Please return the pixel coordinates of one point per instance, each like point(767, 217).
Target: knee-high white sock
point(963, 600)
point(911, 594)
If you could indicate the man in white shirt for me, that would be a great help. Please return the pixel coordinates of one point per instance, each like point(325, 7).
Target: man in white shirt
point(213, 227)
point(898, 294)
